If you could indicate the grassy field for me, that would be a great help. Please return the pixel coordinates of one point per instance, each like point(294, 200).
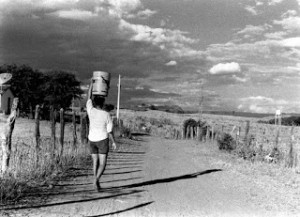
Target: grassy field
point(265, 137)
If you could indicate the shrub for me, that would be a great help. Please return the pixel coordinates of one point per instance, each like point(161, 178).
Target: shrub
point(125, 132)
point(246, 152)
point(226, 142)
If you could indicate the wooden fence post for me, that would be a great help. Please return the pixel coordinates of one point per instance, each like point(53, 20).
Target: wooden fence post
point(192, 132)
point(87, 122)
point(277, 136)
point(74, 129)
point(83, 128)
point(290, 153)
point(174, 133)
point(198, 133)
point(62, 131)
point(247, 133)
point(37, 134)
point(238, 132)
point(207, 133)
point(6, 137)
point(212, 133)
point(186, 133)
point(183, 133)
point(53, 136)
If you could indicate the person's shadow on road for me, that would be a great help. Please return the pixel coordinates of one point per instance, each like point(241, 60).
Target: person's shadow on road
point(119, 191)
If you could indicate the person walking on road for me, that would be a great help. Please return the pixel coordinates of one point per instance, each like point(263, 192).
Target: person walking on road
point(100, 131)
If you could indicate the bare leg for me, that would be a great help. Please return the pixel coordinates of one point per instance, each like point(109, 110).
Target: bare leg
point(101, 168)
point(95, 166)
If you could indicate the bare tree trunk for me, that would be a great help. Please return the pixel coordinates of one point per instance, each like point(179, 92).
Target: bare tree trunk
point(37, 134)
point(6, 137)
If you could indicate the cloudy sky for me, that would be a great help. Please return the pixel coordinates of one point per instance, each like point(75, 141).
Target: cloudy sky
point(240, 55)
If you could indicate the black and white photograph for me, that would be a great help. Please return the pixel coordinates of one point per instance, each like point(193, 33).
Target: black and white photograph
point(150, 108)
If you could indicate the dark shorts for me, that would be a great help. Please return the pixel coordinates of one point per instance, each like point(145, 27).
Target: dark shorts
point(99, 147)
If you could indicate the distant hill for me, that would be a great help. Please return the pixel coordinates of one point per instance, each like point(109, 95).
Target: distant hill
point(165, 108)
point(234, 113)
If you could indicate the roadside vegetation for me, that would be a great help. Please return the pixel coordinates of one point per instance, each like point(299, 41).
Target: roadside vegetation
point(286, 121)
point(31, 172)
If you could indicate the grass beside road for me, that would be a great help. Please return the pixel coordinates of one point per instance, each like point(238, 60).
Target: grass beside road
point(30, 171)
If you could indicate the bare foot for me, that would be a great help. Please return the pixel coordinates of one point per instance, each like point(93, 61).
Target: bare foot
point(97, 185)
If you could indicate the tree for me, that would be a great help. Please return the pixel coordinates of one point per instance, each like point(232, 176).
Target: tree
point(25, 84)
point(109, 107)
point(60, 88)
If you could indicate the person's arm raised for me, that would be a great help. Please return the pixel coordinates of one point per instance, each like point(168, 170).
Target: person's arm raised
point(90, 90)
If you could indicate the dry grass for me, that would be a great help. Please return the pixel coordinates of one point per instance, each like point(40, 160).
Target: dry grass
point(269, 143)
point(26, 173)
point(30, 170)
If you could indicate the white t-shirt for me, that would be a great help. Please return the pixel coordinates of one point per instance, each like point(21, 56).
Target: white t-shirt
point(100, 123)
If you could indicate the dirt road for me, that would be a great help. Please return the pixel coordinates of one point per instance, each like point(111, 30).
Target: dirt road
point(159, 177)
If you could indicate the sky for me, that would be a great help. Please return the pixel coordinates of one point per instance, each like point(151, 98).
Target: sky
point(222, 55)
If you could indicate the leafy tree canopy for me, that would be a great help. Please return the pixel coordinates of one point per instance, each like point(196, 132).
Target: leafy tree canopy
point(60, 88)
point(53, 88)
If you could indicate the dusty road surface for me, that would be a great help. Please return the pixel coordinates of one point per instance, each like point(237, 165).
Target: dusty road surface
point(159, 177)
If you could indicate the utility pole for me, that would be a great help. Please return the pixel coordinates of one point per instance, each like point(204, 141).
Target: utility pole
point(201, 99)
point(118, 104)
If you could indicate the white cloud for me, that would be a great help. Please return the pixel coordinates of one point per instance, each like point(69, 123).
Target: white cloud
point(28, 6)
point(142, 14)
point(262, 104)
point(291, 23)
point(124, 7)
point(174, 41)
point(251, 10)
point(289, 13)
point(74, 14)
point(275, 35)
point(274, 2)
point(291, 42)
point(115, 8)
point(270, 53)
point(258, 98)
point(252, 30)
point(259, 3)
point(239, 78)
point(171, 63)
point(225, 68)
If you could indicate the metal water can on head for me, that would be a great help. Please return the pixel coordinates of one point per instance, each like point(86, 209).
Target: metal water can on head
point(101, 81)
